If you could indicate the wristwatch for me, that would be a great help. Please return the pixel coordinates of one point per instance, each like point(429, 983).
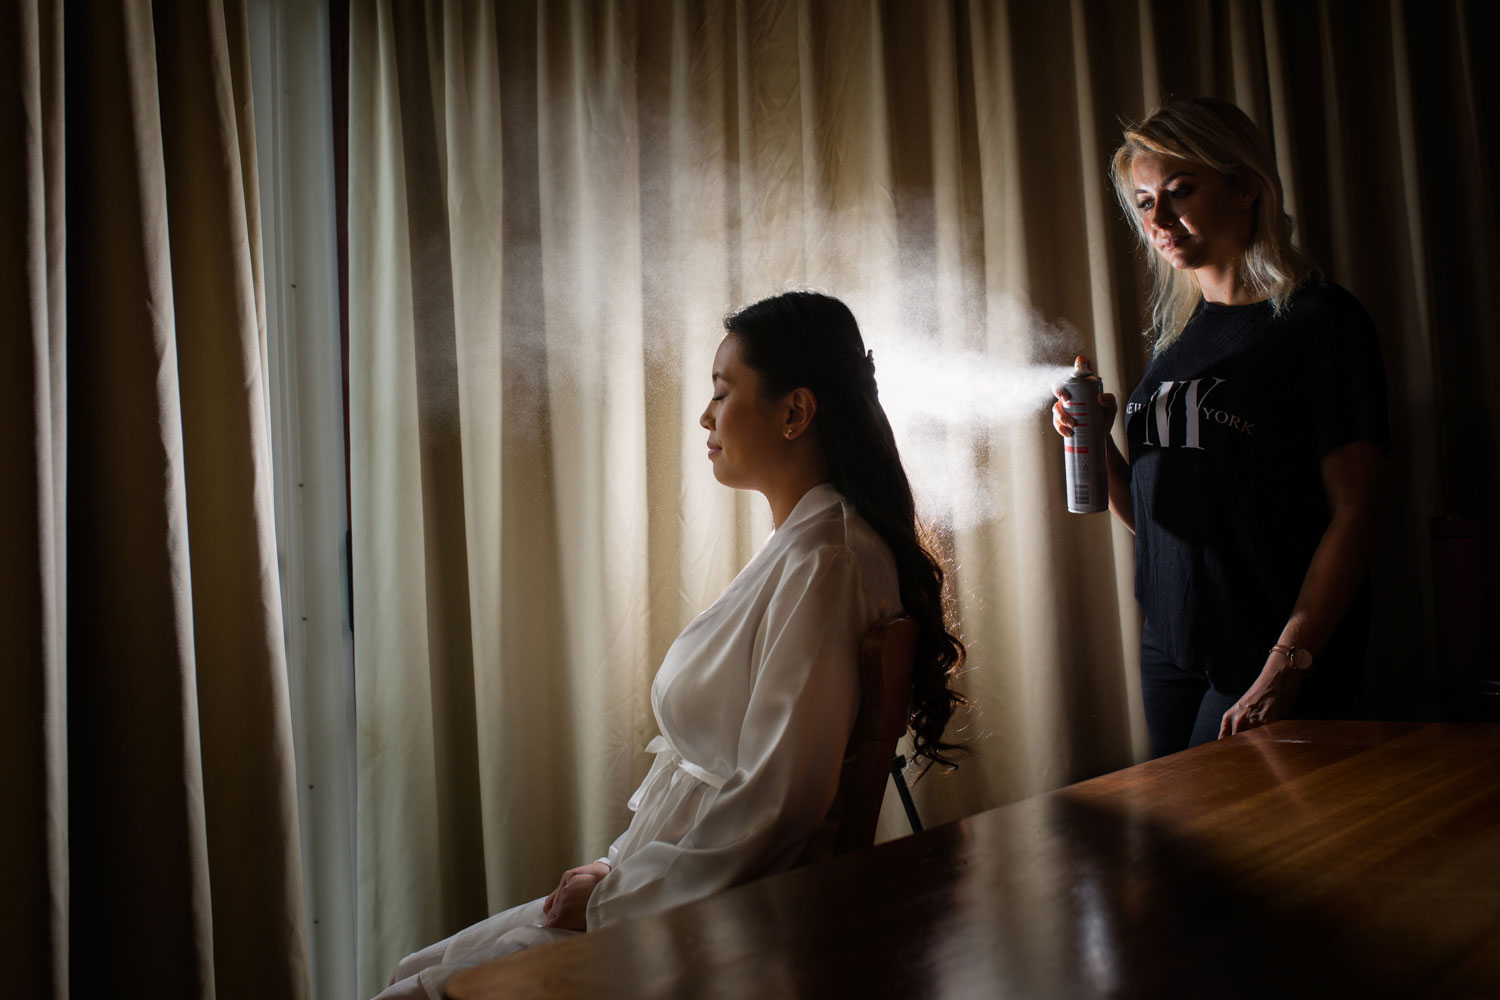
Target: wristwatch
point(1290, 652)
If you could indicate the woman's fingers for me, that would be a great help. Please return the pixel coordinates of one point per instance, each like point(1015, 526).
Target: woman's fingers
point(1226, 724)
point(1062, 421)
point(571, 908)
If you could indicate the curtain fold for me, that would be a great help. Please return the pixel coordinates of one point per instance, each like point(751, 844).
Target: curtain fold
point(155, 832)
point(33, 550)
point(553, 205)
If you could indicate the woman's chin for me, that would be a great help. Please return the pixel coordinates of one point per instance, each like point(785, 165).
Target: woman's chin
point(1187, 258)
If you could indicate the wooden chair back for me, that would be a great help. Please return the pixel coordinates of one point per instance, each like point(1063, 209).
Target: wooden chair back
point(886, 656)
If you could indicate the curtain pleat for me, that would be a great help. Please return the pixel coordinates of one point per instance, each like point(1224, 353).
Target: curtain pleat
point(394, 706)
point(552, 207)
point(128, 687)
point(151, 823)
point(218, 312)
point(33, 550)
point(449, 634)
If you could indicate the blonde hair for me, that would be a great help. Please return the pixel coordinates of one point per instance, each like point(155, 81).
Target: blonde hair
point(1220, 136)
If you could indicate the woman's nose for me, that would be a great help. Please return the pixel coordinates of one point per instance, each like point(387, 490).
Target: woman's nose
point(703, 420)
point(1159, 218)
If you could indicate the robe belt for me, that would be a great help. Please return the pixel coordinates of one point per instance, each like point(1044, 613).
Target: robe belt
point(668, 756)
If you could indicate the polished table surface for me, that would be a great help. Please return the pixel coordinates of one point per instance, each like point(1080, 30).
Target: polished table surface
point(1301, 859)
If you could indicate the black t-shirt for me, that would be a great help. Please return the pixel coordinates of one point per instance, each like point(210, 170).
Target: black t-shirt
point(1226, 433)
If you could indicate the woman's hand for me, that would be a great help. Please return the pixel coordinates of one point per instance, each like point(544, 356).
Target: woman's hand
point(1063, 423)
point(1117, 466)
point(1271, 697)
point(567, 906)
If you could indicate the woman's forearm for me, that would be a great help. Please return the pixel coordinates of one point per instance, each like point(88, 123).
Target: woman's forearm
point(1334, 574)
point(1119, 484)
point(1351, 484)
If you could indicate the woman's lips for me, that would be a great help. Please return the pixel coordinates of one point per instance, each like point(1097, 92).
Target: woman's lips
point(713, 450)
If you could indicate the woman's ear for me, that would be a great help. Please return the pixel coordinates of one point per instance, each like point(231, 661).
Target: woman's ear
point(801, 406)
point(1249, 190)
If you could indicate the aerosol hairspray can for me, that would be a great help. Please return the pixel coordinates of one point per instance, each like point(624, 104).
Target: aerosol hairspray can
point(1083, 453)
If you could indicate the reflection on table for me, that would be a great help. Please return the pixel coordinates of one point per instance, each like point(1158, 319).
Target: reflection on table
point(1302, 859)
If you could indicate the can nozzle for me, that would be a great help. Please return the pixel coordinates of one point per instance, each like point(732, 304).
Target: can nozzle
point(1081, 366)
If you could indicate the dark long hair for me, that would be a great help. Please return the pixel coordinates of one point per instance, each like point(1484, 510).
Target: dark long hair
point(806, 339)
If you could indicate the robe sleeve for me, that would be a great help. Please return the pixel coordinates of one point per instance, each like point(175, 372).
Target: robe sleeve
point(790, 749)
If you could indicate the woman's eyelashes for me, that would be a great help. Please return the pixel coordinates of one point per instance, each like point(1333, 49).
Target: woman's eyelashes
point(1177, 193)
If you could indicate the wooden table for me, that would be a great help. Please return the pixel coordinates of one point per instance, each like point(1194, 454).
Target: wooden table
point(1302, 859)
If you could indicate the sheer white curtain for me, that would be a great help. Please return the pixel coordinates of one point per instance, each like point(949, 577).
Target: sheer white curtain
point(291, 70)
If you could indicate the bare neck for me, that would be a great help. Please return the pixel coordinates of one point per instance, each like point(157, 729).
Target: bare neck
point(1222, 286)
point(806, 470)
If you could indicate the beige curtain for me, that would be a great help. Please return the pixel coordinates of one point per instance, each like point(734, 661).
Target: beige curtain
point(553, 204)
point(149, 834)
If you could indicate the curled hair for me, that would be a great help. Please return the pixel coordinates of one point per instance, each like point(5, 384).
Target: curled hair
point(806, 339)
point(1220, 136)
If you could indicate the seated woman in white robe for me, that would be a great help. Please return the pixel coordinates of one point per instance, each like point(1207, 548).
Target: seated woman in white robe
point(756, 699)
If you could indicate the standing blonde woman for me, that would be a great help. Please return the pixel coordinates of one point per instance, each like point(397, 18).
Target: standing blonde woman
point(1255, 441)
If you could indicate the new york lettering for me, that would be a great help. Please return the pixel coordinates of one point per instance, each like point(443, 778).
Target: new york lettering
point(1178, 410)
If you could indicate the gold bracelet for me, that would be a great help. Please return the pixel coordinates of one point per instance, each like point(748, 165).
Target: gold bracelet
point(1290, 652)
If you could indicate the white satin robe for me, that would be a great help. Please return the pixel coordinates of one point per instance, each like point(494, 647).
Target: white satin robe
point(755, 702)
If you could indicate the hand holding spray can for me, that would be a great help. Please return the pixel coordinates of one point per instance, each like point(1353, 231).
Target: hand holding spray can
point(1084, 452)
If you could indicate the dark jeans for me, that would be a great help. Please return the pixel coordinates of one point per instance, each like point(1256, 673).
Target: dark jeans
point(1182, 708)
